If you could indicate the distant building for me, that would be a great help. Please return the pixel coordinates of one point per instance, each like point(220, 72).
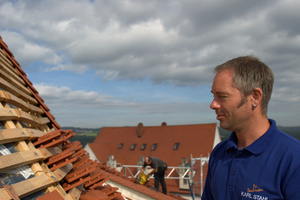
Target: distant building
point(118, 146)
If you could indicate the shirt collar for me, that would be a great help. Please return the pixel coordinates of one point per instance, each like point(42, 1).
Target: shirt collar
point(259, 145)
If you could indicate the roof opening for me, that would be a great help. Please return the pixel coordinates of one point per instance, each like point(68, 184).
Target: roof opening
point(176, 146)
point(120, 145)
point(132, 146)
point(143, 147)
point(153, 147)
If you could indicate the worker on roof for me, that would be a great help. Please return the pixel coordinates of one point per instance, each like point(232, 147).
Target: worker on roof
point(159, 169)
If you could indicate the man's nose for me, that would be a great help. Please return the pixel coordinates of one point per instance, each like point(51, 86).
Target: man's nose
point(214, 104)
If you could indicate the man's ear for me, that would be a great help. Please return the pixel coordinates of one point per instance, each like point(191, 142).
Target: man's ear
point(256, 97)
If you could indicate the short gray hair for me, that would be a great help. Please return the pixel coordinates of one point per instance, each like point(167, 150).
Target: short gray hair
point(250, 73)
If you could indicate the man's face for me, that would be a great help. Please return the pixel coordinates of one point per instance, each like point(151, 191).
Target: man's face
point(231, 107)
point(147, 161)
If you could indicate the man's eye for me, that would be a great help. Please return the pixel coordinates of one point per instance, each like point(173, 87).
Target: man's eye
point(222, 97)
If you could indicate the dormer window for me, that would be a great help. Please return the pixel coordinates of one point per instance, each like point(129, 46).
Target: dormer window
point(132, 146)
point(143, 147)
point(176, 146)
point(120, 146)
point(153, 147)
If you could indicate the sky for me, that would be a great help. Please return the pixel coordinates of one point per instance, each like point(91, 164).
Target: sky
point(121, 62)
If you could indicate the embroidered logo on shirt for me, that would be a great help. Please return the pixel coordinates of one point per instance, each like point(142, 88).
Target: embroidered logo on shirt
point(255, 189)
point(251, 193)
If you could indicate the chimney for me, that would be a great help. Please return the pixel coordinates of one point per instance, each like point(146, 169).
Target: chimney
point(164, 124)
point(140, 130)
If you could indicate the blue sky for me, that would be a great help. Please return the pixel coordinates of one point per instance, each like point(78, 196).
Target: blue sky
point(121, 62)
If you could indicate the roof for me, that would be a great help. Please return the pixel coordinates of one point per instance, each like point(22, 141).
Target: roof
point(196, 139)
point(193, 139)
point(37, 160)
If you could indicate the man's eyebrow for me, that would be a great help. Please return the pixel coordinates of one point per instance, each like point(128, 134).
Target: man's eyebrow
point(219, 93)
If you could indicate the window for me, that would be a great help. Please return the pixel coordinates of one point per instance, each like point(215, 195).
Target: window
point(143, 147)
point(153, 147)
point(120, 146)
point(132, 147)
point(176, 146)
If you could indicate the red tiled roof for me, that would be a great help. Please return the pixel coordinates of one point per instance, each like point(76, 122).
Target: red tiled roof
point(196, 140)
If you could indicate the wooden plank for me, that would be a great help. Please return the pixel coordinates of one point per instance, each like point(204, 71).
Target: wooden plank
point(63, 171)
point(13, 135)
point(30, 186)
point(11, 192)
point(50, 151)
point(2, 96)
point(15, 114)
point(35, 109)
point(18, 159)
point(13, 81)
point(44, 120)
point(7, 66)
point(16, 101)
point(4, 195)
point(27, 118)
point(8, 114)
point(15, 91)
point(76, 192)
point(35, 133)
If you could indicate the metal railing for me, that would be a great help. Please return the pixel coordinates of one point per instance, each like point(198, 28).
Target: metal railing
point(170, 173)
point(200, 184)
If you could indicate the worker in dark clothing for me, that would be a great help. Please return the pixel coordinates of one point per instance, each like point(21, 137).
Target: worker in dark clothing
point(159, 169)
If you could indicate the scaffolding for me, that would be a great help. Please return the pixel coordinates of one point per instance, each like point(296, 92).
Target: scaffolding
point(197, 186)
point(191, 173)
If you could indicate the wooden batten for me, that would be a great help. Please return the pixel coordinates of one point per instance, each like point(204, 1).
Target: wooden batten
point(15, 114)
point(30, 186)
point(19, 159)
point(6, 66)
point(17, 92)
point(13, 135)
point(13, 82)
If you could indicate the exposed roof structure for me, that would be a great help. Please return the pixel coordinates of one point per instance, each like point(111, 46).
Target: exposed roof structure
point(170, 143)
point(37, 159)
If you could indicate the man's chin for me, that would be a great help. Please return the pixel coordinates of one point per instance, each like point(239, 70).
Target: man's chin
point(225, 126)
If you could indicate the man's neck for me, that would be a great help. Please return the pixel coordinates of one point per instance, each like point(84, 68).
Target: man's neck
point(252, 132)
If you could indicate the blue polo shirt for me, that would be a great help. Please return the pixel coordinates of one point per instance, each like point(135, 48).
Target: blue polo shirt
point(268, 169)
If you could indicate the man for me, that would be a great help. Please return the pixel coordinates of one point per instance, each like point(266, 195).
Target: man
point(159, 169)
point(258, 161)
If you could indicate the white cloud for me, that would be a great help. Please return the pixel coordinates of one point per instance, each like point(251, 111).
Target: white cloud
point(86, 108)
point(170, 42)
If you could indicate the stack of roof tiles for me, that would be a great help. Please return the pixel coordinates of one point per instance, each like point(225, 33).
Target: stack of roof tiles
point(37, 159)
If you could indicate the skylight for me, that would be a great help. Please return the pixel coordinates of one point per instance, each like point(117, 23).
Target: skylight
point(132, 146)
point(176, 146)
point(143, 147)
point(120, 146)
point(153, 147)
